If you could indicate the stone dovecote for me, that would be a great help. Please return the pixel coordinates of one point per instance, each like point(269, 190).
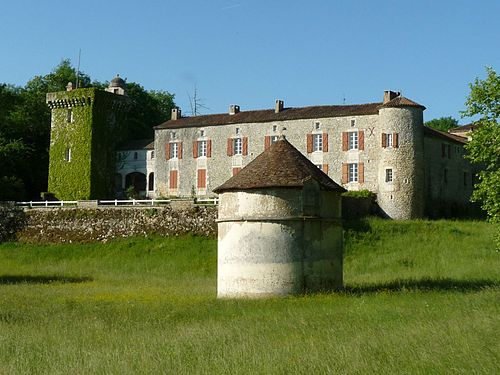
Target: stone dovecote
point(279, 227)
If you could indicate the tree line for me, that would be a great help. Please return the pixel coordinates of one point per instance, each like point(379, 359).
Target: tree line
point(25, 126)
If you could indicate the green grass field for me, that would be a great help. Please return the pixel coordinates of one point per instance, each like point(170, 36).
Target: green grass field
point(421, 298)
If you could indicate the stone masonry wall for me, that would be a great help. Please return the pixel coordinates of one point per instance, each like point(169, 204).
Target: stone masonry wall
point(67, 225)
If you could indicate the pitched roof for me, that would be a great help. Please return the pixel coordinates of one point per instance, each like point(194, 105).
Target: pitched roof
point(468, 127)
point(267, 115)
point(401, 101)
point(281, 165)
point(444, 135)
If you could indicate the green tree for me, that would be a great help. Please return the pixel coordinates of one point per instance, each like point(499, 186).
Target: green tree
point(484, 147)
point(443, 123)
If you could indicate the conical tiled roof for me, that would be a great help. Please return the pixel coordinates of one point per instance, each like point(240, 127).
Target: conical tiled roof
point(401, 101)
point(281, 165)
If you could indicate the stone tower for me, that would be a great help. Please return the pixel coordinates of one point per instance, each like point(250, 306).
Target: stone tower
point(279, 227)
point(85, 128)
point(402, 120)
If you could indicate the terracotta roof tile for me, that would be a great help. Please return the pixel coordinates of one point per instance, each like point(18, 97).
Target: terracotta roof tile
point(401, 101)
point(444, 135)
point(281, 165)
point(267, 115)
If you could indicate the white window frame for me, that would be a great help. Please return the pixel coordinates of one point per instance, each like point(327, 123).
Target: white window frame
point(353, 172)
point(352, 140)
point(389, 140)
point(202, 148)
point(174, 150)
point(67, 155)
point(237, 146)
point(317, 142)
point(389, 175)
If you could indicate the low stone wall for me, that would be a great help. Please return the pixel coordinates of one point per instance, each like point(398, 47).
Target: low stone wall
point(65, 225)
point(12, 219)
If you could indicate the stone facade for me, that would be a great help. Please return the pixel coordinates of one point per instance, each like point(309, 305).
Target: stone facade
point(386, 155)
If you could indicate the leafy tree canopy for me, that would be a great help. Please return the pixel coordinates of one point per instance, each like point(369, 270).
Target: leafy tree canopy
point(484, 147)
point(443, 123)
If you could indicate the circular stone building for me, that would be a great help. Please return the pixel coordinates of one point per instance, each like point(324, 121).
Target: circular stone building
point(279, 227)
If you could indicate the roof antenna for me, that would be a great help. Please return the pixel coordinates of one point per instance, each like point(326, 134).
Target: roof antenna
point(78, 68)
point(343, 98)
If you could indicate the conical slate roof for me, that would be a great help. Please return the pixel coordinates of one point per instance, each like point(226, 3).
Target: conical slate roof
point(281, 165)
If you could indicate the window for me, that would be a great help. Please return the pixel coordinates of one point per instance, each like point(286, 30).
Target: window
point(389, 140)
point(238, 146)
point(317, 142)
point(202, 133)
point(174, 150)
point(353, 122)
point(275, 128)
point(173, 178)
point(353, 140)
point(353, 173)
point(135, 155)
point(274, 138)
point(152, 154)
point(151, 181)
point(202, 148)
point(388, 175)
point(67, 155)
point(70, 115)
point(238, 131)
point(317, 125)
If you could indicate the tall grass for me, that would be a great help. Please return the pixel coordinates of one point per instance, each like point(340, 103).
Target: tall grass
point(421, 297)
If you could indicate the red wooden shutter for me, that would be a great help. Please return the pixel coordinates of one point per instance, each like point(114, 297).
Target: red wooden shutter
point(195, 149)
point(309, 143)
point(173, 179)
point(230, 147)
point(384, 140)
point(267, 142)
point(179, 150)
point(325, 142)
point(395, 140)
point(209, 148)
point(245, 146)
point(345, 141)
point(361, 172)
point(236, 170)
point(167, 151)
point(325, 168)
point(361, 140)
point(345, 173)
point(202, 178)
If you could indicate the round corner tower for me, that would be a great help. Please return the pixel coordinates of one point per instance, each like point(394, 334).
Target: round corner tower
point(279, 228)
point(401, 163)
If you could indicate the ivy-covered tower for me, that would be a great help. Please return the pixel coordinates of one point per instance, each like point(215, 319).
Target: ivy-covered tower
point(86, 126)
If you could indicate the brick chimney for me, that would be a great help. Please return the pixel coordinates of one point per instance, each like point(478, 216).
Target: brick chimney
point(389, 95)
point(279, 106)
point(176, 113)
point(234, 109)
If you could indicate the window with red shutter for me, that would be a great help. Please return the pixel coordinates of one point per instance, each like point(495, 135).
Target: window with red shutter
point(309, 143)
point(325, 142)
point(361, 172)
point(195, 149)
point(179, 150)
point(230, 147)
point(245, 146)
point(345, 141)
point(173, 179)
point(202, 178)
point(267, 142)
point(167, 150)
point(325, 168)
point(209, 148)
point(345, 173)
point(384, 140)
point(395, 140)
point(361, 140)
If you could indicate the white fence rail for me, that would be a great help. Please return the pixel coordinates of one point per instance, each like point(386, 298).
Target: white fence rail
point(34, 204)
point(116, 202)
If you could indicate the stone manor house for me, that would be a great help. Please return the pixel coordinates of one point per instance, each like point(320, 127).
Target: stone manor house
point(383, 147)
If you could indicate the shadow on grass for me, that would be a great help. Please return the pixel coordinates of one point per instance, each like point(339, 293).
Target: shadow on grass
point(425, 285)
point(42, 279)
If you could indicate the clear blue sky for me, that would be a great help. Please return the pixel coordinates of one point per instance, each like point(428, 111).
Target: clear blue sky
point(252, 52)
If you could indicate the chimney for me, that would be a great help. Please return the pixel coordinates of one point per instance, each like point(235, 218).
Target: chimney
point(234, 109)
point(389, 95)
point(176, 113)
point(279, 106)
